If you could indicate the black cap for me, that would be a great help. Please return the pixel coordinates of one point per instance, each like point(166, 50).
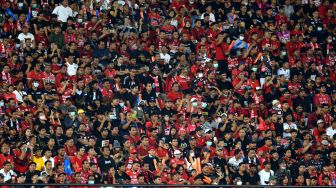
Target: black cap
point(21, 175)
point(32, 163)
point(62, 173)
point(152, 99)
point(192, 138)
point(199, 129)
point(120, 164)
point(6, 163)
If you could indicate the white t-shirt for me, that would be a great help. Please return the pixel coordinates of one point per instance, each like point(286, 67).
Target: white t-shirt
point(265, 176)
point(287, 126)
point(19, 95)
point(234, 162)
point(22, 37)
point(285, 72)
point(211, 17)
point(63, 13)
point(8, 175)
point(72, 69)
point(165, 57)
point(330, 132)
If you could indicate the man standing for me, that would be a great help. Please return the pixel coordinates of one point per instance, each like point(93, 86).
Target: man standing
point(266, 173)
point(63, 11)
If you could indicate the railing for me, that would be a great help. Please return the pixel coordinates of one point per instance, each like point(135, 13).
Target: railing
point(138, 185)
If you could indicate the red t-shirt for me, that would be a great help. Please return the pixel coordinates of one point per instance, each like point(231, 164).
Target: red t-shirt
point(78, 162)
point(173, 96)
point(21, 165)
point(4, 158)
point(133, 176)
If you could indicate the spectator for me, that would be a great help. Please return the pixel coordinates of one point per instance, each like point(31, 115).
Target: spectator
point(182, 92)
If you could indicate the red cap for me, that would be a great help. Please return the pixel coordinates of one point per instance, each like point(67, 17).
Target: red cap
point(151, 148)
point(182, 130)
point(133, 151)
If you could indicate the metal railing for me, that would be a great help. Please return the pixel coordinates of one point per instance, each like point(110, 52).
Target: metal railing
point(140, 185)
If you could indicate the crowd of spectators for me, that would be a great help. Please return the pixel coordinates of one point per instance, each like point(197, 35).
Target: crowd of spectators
point(168, 92)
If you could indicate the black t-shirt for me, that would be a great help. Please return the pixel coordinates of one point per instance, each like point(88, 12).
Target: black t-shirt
point(245, 101)
point(60, 140)
point(132, 99)
point(39, 24)
point(147, 96)
point(35, 93)
point(105, 163)
point(115, 114)
point(150, 161)
point(101, 142)
point(96, 124)
point(52, 92)
point(220, 161)
point(253, 179)
point(120, 178)
point(224, 85)
point(29, 51)
point(9, 139)
point(169, 112)
point(244, 178)
point(118, 138)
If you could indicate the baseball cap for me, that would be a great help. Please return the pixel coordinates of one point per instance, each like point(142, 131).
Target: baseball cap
point(43, 117)
point(80, 111)
point(199, 129)
point(21, 175)
point(151, 148)
point(177, 152)
point(325, 142)
point(320, 121)
point(133, 151)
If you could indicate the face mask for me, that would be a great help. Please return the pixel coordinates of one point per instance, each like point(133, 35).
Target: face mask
point(2, 104)
point(35, 84)
point(80, 20)
point(238, 53)
point(194, 104)
point(209, 143)
point(17, 45)
point(122, 104)
point(20, 5)
point(283, 53)
point(200, 75)
point(239, 183)
point(192, 154)
point(72, 113)
point(215, 65)
point(330, 41)
point(241, 38)
point(166, 118)
point(319, 28)
point(254, 69)
point(204, 105)
point(91, 182)
point(34, 6)
point(111, 116)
